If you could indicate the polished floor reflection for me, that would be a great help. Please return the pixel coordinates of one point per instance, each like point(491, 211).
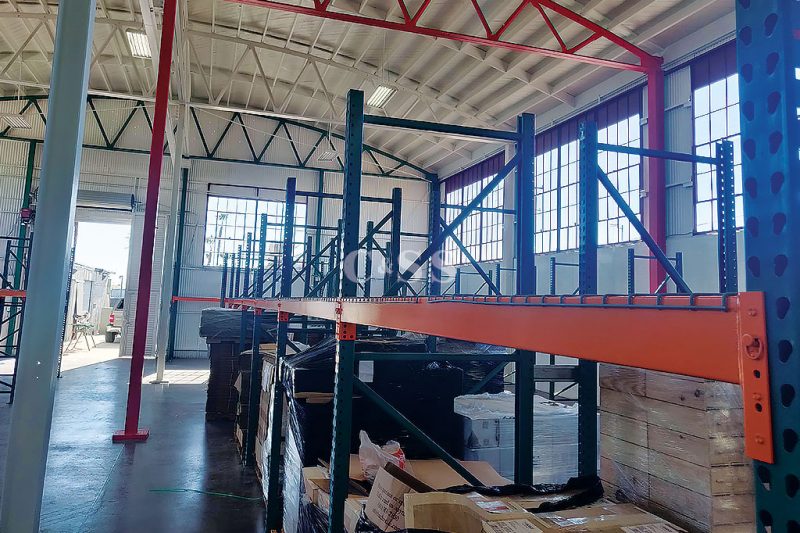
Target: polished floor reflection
point(93, 485)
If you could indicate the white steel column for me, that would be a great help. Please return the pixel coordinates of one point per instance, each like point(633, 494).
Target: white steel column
point(167, 269)
point(47, 282)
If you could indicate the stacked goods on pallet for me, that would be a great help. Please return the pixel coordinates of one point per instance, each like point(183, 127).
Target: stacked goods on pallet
point(242, 386)
point(429, 496)
point(222, 329)
point(674, 445)
point(488, 421)
point(265, 398)
point(422, 391)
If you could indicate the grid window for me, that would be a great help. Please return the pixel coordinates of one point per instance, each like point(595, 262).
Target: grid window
point(716, 118)
point(568, 196)
point(624, 171)
point(546, 201)
point(481, 232)
point(492, 224)
point(229, 220)
point(556, 211)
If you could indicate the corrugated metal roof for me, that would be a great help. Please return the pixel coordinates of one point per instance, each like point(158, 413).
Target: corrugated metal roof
point(310, 63)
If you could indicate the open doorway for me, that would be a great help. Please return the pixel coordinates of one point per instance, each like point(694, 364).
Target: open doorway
point(96, 305)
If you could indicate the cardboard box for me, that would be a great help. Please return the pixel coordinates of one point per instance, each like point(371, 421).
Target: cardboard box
point(488, 433)
point(384, 506)
point(510, 526)
point(428, 474)
point(605, 517)
point(457, 513)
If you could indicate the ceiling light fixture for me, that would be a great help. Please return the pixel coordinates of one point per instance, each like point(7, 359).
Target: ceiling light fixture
point(327, 156)
point(15, 121)
point(140, 45)
point(381, 96)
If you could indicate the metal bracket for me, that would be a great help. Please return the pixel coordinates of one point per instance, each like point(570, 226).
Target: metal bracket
point(283, 316)
point(754, 377)
point(345, 331)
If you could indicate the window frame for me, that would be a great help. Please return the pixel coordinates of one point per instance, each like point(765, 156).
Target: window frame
point(563, 139)
point(723, 60)
point(481, 232)
point(262, 206)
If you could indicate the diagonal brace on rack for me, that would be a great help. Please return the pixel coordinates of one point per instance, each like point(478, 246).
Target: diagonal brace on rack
point(447, 231)
point(478, 268)
point(335, 270)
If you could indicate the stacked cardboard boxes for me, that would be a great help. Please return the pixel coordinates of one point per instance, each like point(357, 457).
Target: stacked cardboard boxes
point(398, 500)
point(489, 435)
point(242, 388)
point(675, 446)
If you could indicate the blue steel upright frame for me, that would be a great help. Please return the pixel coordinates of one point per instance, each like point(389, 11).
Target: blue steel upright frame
point(589, 206)
point(345, 333)
point(525, 285)
point(276, 405)
point(768, 55)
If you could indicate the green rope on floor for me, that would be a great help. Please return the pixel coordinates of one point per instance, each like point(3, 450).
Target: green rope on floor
point(211, 493)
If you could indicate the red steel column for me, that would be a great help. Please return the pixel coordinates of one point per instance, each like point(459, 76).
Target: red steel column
point(655, 206)
point(132, 433)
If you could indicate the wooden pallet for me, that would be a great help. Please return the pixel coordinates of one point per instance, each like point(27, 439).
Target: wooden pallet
point(675, 446)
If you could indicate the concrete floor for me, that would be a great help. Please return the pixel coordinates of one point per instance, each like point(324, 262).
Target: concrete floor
point(93, 485)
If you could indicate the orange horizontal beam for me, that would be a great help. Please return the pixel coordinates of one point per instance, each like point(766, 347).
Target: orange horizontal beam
point(12, 293)
point(708, 336)
point(700, 342)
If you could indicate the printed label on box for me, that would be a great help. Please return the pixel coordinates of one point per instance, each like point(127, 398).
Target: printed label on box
point(495, 506)
point(510, 526)
point(660, 527)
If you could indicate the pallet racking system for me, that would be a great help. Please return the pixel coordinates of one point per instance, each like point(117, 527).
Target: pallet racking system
point(13, 286)
point(723, 335)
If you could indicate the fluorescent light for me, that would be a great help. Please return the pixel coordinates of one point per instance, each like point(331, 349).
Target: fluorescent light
point(15, 121)
point(140, 45)
point(381, 96)
point(327, 156)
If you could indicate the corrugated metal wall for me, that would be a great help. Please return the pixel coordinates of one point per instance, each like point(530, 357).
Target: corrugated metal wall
point(680, 192)
point(13, 161)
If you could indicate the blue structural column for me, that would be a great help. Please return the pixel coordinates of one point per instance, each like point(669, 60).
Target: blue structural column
point(276, 406)
point(434, 229)
point(589, 206)
point(768, 54)
point(176, 275)
point(726, 219)
point(31, 416)
point(345, 333)
point(248, 260)
point(368, 259)
point(525, 285)
point(224, 287)
point(394, 240)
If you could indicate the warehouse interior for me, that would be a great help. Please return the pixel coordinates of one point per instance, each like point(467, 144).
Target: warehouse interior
point(461, 266)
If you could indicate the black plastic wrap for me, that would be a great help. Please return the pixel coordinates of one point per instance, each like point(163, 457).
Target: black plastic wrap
point(219, 324)
point(422, 391)
point(587, 490)
point(475, 371)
